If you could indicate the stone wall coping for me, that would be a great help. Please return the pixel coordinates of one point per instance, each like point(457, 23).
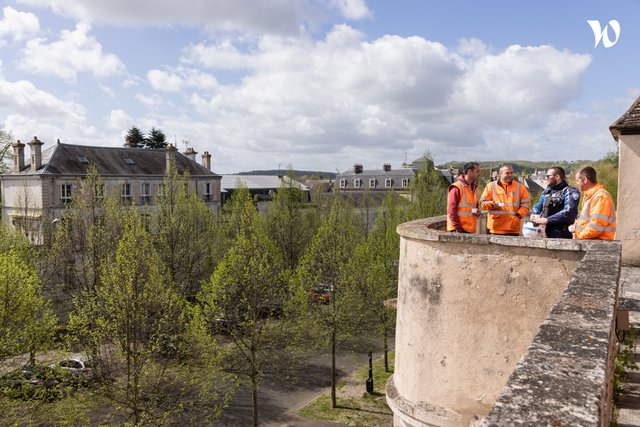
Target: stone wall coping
point(433, 229)
point(565, 376)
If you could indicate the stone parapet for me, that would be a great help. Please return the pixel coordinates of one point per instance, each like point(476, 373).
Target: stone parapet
point(566, 375)
point(497, 330)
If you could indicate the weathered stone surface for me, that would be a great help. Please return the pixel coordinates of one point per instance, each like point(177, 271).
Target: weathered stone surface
point(563, 244)
point(471, 306)
point(579, 316)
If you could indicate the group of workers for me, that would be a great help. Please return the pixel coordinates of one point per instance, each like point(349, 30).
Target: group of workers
point(507, 201)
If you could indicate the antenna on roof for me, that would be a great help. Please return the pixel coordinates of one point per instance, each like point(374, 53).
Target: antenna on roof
point(186, 143)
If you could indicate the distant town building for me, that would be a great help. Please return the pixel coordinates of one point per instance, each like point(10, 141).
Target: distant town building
point(261, 187)
point(385, 179)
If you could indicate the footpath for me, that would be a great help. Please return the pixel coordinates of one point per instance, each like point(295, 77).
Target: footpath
point(628, 402)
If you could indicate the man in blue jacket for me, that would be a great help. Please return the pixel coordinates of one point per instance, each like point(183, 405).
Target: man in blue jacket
point(558, 205)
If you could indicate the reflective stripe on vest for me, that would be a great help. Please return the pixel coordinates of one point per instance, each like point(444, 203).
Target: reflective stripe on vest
point(465, 208)
point(585, 215)
point(525, 202)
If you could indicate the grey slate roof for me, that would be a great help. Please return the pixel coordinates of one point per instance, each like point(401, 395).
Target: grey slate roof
point(379, 172)
point(629, 122)
point(380, 175)
point(63, 159)
point(257, 182)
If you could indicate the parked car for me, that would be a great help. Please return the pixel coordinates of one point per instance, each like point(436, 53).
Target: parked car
point(77, 364)
point(322, 293)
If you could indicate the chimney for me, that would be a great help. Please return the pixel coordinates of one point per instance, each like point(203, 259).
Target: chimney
point(190, 153)
point(357, 168)
point(170, 155)
point(36, 153)
point(206, 160)
point(18, 156)
point(386, 167)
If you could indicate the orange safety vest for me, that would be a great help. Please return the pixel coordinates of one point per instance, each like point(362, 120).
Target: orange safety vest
point(468, 201)
point(597, 219)
point(503, 219)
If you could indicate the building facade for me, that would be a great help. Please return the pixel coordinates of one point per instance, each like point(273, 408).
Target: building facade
point(47, 183)
point(385, 179)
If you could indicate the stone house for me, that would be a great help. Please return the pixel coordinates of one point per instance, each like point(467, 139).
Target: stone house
point(44, 185)
point(385, 179)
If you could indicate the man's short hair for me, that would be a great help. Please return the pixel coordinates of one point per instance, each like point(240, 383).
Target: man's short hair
point(559, 171)
point(469, 166)
point(589, 173)
point(505, 165)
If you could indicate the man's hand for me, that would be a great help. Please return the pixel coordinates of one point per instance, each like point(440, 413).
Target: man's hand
point(537, 219)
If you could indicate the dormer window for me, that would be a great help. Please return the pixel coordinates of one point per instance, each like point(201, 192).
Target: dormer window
point(343, 183)
point(372, 183)
point(405, 182)
point(357, 183)
point(388, 182)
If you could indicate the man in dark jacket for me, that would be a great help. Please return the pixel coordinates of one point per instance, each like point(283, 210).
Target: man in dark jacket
point(558, 205)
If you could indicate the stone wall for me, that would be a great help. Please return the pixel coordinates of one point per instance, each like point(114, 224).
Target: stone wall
point(470, 310)
point(566, 376)
point(628, 203)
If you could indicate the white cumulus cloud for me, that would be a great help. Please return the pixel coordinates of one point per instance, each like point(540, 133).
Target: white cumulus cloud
point(391, 95)
point(352, 9)
point(274, 16)
point(75, 52)
point(175, 80)
point(521, 82)
point(18, 26)
point(118, 119)
point(24, 98)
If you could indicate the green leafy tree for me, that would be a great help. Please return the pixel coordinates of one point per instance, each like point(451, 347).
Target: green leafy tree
point(326, 264)
point(231, 221)
point(246, 292)
point(607, 169)
point(156, 139)
point(290, 224)
point(26, 320)
point(428, 192)
point(6, 153)
point(86, 236)
point(135, 138)
point(140, 332)
point(380, 253)
point(182, 226)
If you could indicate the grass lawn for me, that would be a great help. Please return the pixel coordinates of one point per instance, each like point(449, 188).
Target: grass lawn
point(356, 407)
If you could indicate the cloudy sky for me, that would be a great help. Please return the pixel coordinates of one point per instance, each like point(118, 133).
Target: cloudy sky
point(322, 84)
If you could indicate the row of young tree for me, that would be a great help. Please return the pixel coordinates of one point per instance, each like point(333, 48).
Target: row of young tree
point(178, 306)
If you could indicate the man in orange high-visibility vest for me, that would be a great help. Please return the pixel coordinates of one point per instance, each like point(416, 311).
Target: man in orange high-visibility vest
point(462, 202)
point(597, 220)
point(506, 201)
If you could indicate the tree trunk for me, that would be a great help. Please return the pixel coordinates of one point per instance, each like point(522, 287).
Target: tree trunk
point(334, 403)
point(386, 351)
point(254, 388)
